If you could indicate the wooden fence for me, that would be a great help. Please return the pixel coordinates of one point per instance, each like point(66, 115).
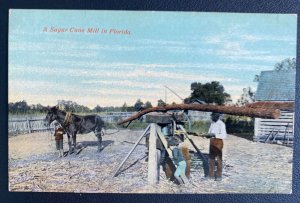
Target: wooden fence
point(29, 125)
point(279, 130)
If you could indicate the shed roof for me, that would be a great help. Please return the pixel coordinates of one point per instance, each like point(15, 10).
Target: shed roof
point(276, 86)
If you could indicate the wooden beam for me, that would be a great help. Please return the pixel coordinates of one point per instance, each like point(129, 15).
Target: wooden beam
point(163, 118)
point(163, 140)
point(232, 110)
point(152, 157)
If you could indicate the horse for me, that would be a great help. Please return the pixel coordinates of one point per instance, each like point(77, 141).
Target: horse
point(74, 124)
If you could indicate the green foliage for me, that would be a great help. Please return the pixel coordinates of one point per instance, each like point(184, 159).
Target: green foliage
point(126, 108)
point(138, 105)
point(21, 107)
point(160, 102)
point(198, 127)
point(97, 109)
point(148, 105)
point(136, 125)
point(246, 97)
point(240, 126)
point(212, 92)
point(73, 106)
point(286, 65)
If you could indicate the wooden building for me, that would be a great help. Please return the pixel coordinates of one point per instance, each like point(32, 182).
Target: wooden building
point(278, 86)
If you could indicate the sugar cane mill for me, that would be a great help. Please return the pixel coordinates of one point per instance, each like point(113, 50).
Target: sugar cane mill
point(166, 126)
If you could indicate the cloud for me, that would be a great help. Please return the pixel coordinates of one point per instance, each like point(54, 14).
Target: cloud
point(121, 74)
point(258, 38)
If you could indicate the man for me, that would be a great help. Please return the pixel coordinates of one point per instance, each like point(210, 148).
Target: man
point(216, 133)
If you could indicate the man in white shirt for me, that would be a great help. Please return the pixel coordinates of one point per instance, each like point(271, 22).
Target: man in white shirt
point(217, 132)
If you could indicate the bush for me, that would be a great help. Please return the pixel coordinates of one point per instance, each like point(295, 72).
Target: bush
point(198, 127)
point(240, 126)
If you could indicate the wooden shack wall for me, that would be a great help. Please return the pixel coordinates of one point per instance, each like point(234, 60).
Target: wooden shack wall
point(282, 128)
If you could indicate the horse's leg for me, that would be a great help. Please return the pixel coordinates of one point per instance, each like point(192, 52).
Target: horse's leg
point(98, 134)
point(69, 143)
point(74, 142)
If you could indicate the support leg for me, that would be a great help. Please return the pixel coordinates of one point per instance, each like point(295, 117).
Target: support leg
point(158, 156)
point(152, 161)
point(133, 148)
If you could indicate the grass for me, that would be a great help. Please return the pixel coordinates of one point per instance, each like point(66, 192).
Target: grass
point(198, 127)
point(134, 125)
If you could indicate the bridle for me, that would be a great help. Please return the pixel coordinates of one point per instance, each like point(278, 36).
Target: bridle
point(67, 119)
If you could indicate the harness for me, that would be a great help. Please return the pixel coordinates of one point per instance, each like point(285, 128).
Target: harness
point(67, 119)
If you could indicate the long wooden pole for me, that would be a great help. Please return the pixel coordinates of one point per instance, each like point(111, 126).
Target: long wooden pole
point(232, 110)
point(283, 106)
point(133, 148)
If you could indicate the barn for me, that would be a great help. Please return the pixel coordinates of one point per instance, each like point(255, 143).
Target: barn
point(276, 86)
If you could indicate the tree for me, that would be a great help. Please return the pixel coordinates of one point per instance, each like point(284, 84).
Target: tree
point(160, 102)
point(19, 107)
point(286, 65)
point(139, 105)
point(124, 107)
point(246, 97)
point(148, 105)
point(210, 93)
point(72, 106)
point(97, 109)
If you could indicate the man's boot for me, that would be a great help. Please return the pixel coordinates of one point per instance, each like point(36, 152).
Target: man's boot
point(179, 180)
point(185, 179)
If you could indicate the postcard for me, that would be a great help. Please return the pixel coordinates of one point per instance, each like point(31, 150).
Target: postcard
point(151, 102)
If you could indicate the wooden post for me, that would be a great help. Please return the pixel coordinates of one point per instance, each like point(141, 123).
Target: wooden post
point(152, 157)
point(28, 125)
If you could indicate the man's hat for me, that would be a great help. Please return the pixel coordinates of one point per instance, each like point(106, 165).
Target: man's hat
point(215, 114)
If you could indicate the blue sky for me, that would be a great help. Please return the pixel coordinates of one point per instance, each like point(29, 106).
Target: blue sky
point(163, 48)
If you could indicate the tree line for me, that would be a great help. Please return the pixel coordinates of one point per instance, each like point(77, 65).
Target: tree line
point(209, 93)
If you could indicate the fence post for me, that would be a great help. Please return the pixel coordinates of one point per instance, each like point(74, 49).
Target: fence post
point(28, 125)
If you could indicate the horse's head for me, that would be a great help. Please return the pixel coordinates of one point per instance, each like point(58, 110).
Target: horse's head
point(51, 115)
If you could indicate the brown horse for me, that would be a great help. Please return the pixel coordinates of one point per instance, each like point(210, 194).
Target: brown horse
point(74, 124)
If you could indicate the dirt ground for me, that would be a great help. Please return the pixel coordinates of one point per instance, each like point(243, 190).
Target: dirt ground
point(249, 167)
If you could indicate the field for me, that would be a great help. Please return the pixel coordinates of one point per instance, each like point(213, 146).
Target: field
point(249, 167)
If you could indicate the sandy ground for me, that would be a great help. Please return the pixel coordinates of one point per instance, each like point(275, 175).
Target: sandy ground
point(249, 167)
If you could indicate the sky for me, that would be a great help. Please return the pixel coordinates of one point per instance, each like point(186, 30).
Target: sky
point(140, 53)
